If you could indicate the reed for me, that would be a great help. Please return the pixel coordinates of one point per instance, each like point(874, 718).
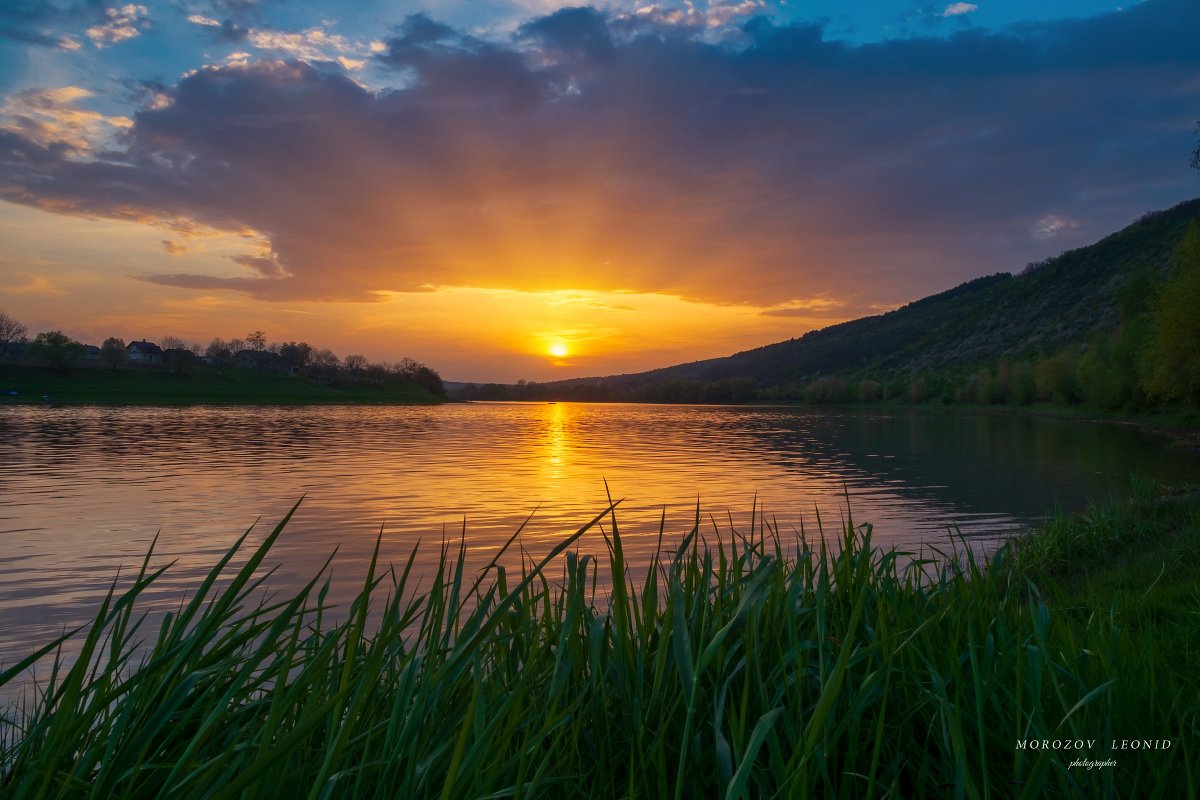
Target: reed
point(745, 664)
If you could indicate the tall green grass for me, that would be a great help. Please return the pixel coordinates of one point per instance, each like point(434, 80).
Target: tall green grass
point(746, 664)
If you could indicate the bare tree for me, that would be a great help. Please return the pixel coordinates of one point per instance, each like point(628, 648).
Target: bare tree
point(324, 365)
point(11, 332)
point(406, 369)
point(355, 363)
point(257, 340)
point(220, 354)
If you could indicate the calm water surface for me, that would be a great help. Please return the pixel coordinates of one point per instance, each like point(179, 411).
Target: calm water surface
point(83, 491)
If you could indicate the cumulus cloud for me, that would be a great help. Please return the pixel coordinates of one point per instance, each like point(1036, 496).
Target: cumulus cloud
point(1052, 225)
point(687, 15)
point(595, 152)
point(958, 9)
point(120, 23)
point(54, 118)
point(313, 44)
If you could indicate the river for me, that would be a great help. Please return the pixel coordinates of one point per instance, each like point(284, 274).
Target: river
point(84, 491)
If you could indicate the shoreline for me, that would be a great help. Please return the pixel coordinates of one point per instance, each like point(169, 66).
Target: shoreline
point(28, 385)
point(90, 386)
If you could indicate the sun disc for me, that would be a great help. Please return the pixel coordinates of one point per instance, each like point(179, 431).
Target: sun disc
point(558, 349)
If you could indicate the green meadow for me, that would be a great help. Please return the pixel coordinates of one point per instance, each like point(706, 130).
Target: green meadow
point(750, 663)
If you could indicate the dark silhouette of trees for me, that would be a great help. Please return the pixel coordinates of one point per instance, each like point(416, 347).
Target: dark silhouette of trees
point(355, 364)
point(429, 378)
point(220, 353)
point(11, 332)
point(296, 355)
point(113, 351)
point(1196, 152)
point(287, 358)
point(179, 359)
point(57, 349)
point(324, 365)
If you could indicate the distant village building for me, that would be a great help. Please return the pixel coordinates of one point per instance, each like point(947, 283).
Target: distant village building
point(91, 352)
point(143, 352)
point(179, 358)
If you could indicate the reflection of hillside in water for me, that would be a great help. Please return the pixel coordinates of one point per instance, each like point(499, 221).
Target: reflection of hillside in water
point(987, 463)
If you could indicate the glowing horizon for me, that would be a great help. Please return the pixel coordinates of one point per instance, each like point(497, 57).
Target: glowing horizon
point(505, 193)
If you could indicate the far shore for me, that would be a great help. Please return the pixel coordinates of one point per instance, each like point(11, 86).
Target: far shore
point(91, 385)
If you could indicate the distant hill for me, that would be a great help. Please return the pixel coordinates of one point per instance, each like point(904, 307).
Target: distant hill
point(1049, 304)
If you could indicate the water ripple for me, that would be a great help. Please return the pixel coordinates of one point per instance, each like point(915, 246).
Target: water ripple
point(83, 491)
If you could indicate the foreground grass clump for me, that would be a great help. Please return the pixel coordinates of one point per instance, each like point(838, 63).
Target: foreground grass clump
point(744, 666)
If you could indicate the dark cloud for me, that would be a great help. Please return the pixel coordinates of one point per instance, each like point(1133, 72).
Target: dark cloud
point(267, 266)
point(597, 153)
point(572, 34)
point(451, 69)
point(230, 21)
point(35, 21)
point(26, 35)
point(229, 31)
point(239, 13)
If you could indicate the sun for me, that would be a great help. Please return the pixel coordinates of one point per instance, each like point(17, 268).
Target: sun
point(558, 349)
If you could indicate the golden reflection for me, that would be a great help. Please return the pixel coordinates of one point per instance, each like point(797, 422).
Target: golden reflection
point(557, 439)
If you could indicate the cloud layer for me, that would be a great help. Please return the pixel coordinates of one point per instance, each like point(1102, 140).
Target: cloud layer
point(763, 165)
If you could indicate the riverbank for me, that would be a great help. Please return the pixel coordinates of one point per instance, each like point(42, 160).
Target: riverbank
point(738, 670)
point(202, 386)
point(1180, 424)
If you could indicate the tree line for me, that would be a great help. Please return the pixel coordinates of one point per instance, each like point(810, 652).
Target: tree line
point(253, 351)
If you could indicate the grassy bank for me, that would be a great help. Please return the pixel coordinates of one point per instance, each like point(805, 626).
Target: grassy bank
point(1180, 423)
point(748, 666)
point(203, 386)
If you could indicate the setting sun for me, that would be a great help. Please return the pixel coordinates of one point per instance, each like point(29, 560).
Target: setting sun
point(558, 349)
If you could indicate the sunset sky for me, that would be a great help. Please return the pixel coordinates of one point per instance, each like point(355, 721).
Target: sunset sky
point(511, 190)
